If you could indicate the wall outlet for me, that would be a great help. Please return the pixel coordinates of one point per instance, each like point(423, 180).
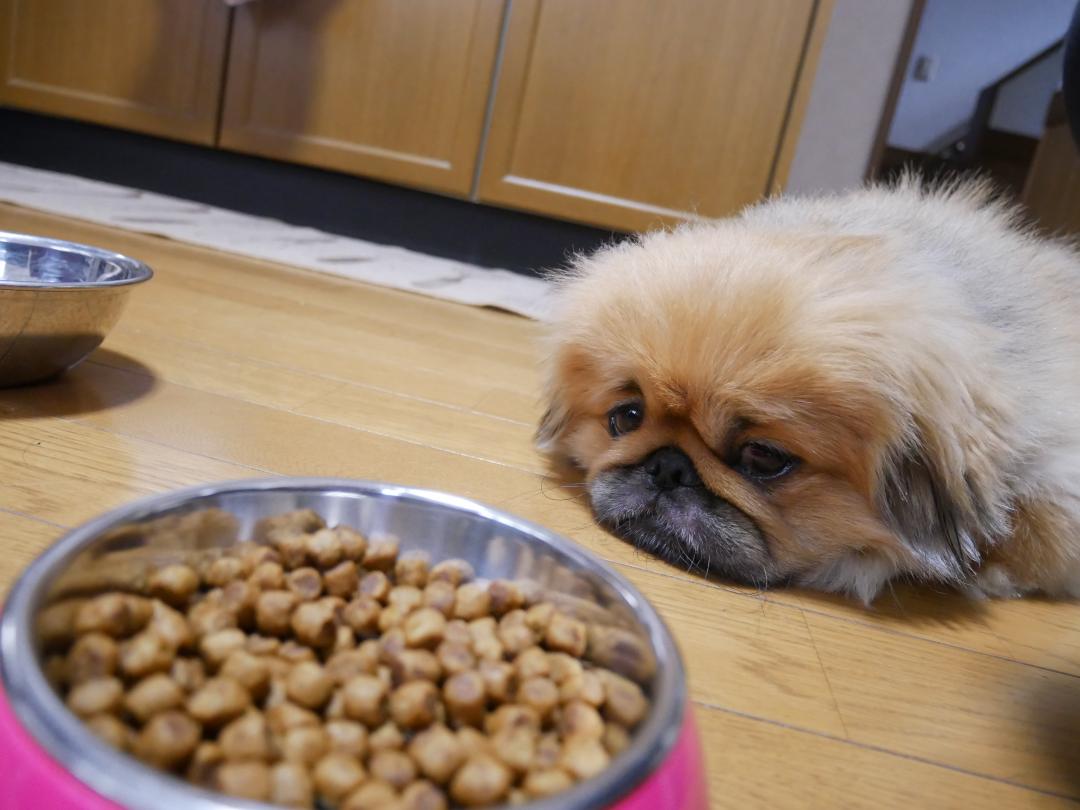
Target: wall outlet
point(925, 68)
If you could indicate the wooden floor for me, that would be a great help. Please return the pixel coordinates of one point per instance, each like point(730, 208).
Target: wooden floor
point(226, 368)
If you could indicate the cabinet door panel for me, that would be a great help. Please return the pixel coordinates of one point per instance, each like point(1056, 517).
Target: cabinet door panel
point(150, 65)
point(389, 89)
point(628, 113)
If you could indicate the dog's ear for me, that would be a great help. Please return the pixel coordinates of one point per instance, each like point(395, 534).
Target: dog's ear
point(552, 425)
point(940, 525)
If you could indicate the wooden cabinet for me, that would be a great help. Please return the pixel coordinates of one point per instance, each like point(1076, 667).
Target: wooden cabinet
point(389, 89)
point(149, 65)
point(627, 113)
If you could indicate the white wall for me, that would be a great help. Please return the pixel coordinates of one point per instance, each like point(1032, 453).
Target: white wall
point(1022, 103)
point(974, 42)
point(849, 93)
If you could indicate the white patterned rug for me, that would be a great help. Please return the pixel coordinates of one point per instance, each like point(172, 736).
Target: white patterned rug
point(260, 238)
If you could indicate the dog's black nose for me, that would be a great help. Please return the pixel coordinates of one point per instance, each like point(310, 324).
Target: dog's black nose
point(670, 467)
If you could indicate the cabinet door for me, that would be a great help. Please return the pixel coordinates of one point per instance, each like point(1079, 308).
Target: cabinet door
point(389, 89)
point(631, 113)
point(148, 65)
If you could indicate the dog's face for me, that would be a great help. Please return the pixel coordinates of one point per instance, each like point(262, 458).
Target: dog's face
point(744, 407)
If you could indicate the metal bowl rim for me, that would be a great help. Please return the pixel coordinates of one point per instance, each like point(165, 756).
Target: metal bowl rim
point(139, 271)
point(127, 782)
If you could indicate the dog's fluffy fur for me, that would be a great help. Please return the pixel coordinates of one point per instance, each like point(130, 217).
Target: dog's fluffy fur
point(914, 350)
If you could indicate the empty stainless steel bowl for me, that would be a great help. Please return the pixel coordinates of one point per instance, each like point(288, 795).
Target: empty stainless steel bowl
point(58, 301)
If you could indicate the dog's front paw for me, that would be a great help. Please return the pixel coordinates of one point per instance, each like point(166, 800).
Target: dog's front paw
point(994, 581)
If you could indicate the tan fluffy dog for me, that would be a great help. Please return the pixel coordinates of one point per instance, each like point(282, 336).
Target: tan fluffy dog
point(834, 392)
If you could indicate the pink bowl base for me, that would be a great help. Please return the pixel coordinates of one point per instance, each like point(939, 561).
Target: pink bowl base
point(33, 779)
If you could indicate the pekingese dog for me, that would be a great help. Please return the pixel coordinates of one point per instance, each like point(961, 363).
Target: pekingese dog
point(832, 392)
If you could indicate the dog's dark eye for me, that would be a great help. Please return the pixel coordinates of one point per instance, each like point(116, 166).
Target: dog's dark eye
point(762, 461)
point(625, 418)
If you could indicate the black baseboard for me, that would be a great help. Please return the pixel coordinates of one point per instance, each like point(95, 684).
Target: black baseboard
point(329, 201)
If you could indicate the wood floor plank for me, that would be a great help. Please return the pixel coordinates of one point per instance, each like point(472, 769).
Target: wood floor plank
point(229, 368)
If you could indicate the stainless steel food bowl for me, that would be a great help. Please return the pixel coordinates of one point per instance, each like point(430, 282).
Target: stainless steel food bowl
point(497, 544)
point(58, 301)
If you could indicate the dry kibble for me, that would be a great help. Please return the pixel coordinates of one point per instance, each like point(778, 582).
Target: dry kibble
point(532, 663)
point(505, 596)
point(115, 614)
point(512, 715)
point(305, 745)
point(616, 738)
point(203, 764)
point(114, 731)
point(324, 548)
point(515, 746)
point(498, 678)
point(188, 673)
point(347, 737)
point(250, 671)
point(437, 752)
point(624, 702)
point(308, 685)
point(540, 694)
point(94, 655)
point(579, 719)
point(294, 652)
point(540, 783)
point(381, 553)
point(455, 572)
point(315, 623)
point(440, 595)
point(514, 634)
point(353, 544)
point(414, 704)
point(245, 780)
point(349, 676)
point(151, 695)
point(218, 701)
point(336, 775)
point(423, 795)
point(223, 571)
point(168, 739)
point(548, 751)
point(465, 697)
point(413, 665)
point(342, 580)
point(375, 585)
point(472, 601)
point(306, 583)
point(209, 616)
point(563, 667)
point(405, 598)
point(566, 634)
point(481, 780)
point(539, 615)
point(173, 584)
point(364, 699)
point(285, 716)
point(372, 795)
point(96, 696)
point(584, 757)
point(170, 625)
point(217, 647)
point(386, 736)
point(346, 664)
point(412, 569)
point(393, 767)
point(455, 658)
point(268, 576)
point(246, 737)
point(621, 651)
point(291, 786)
